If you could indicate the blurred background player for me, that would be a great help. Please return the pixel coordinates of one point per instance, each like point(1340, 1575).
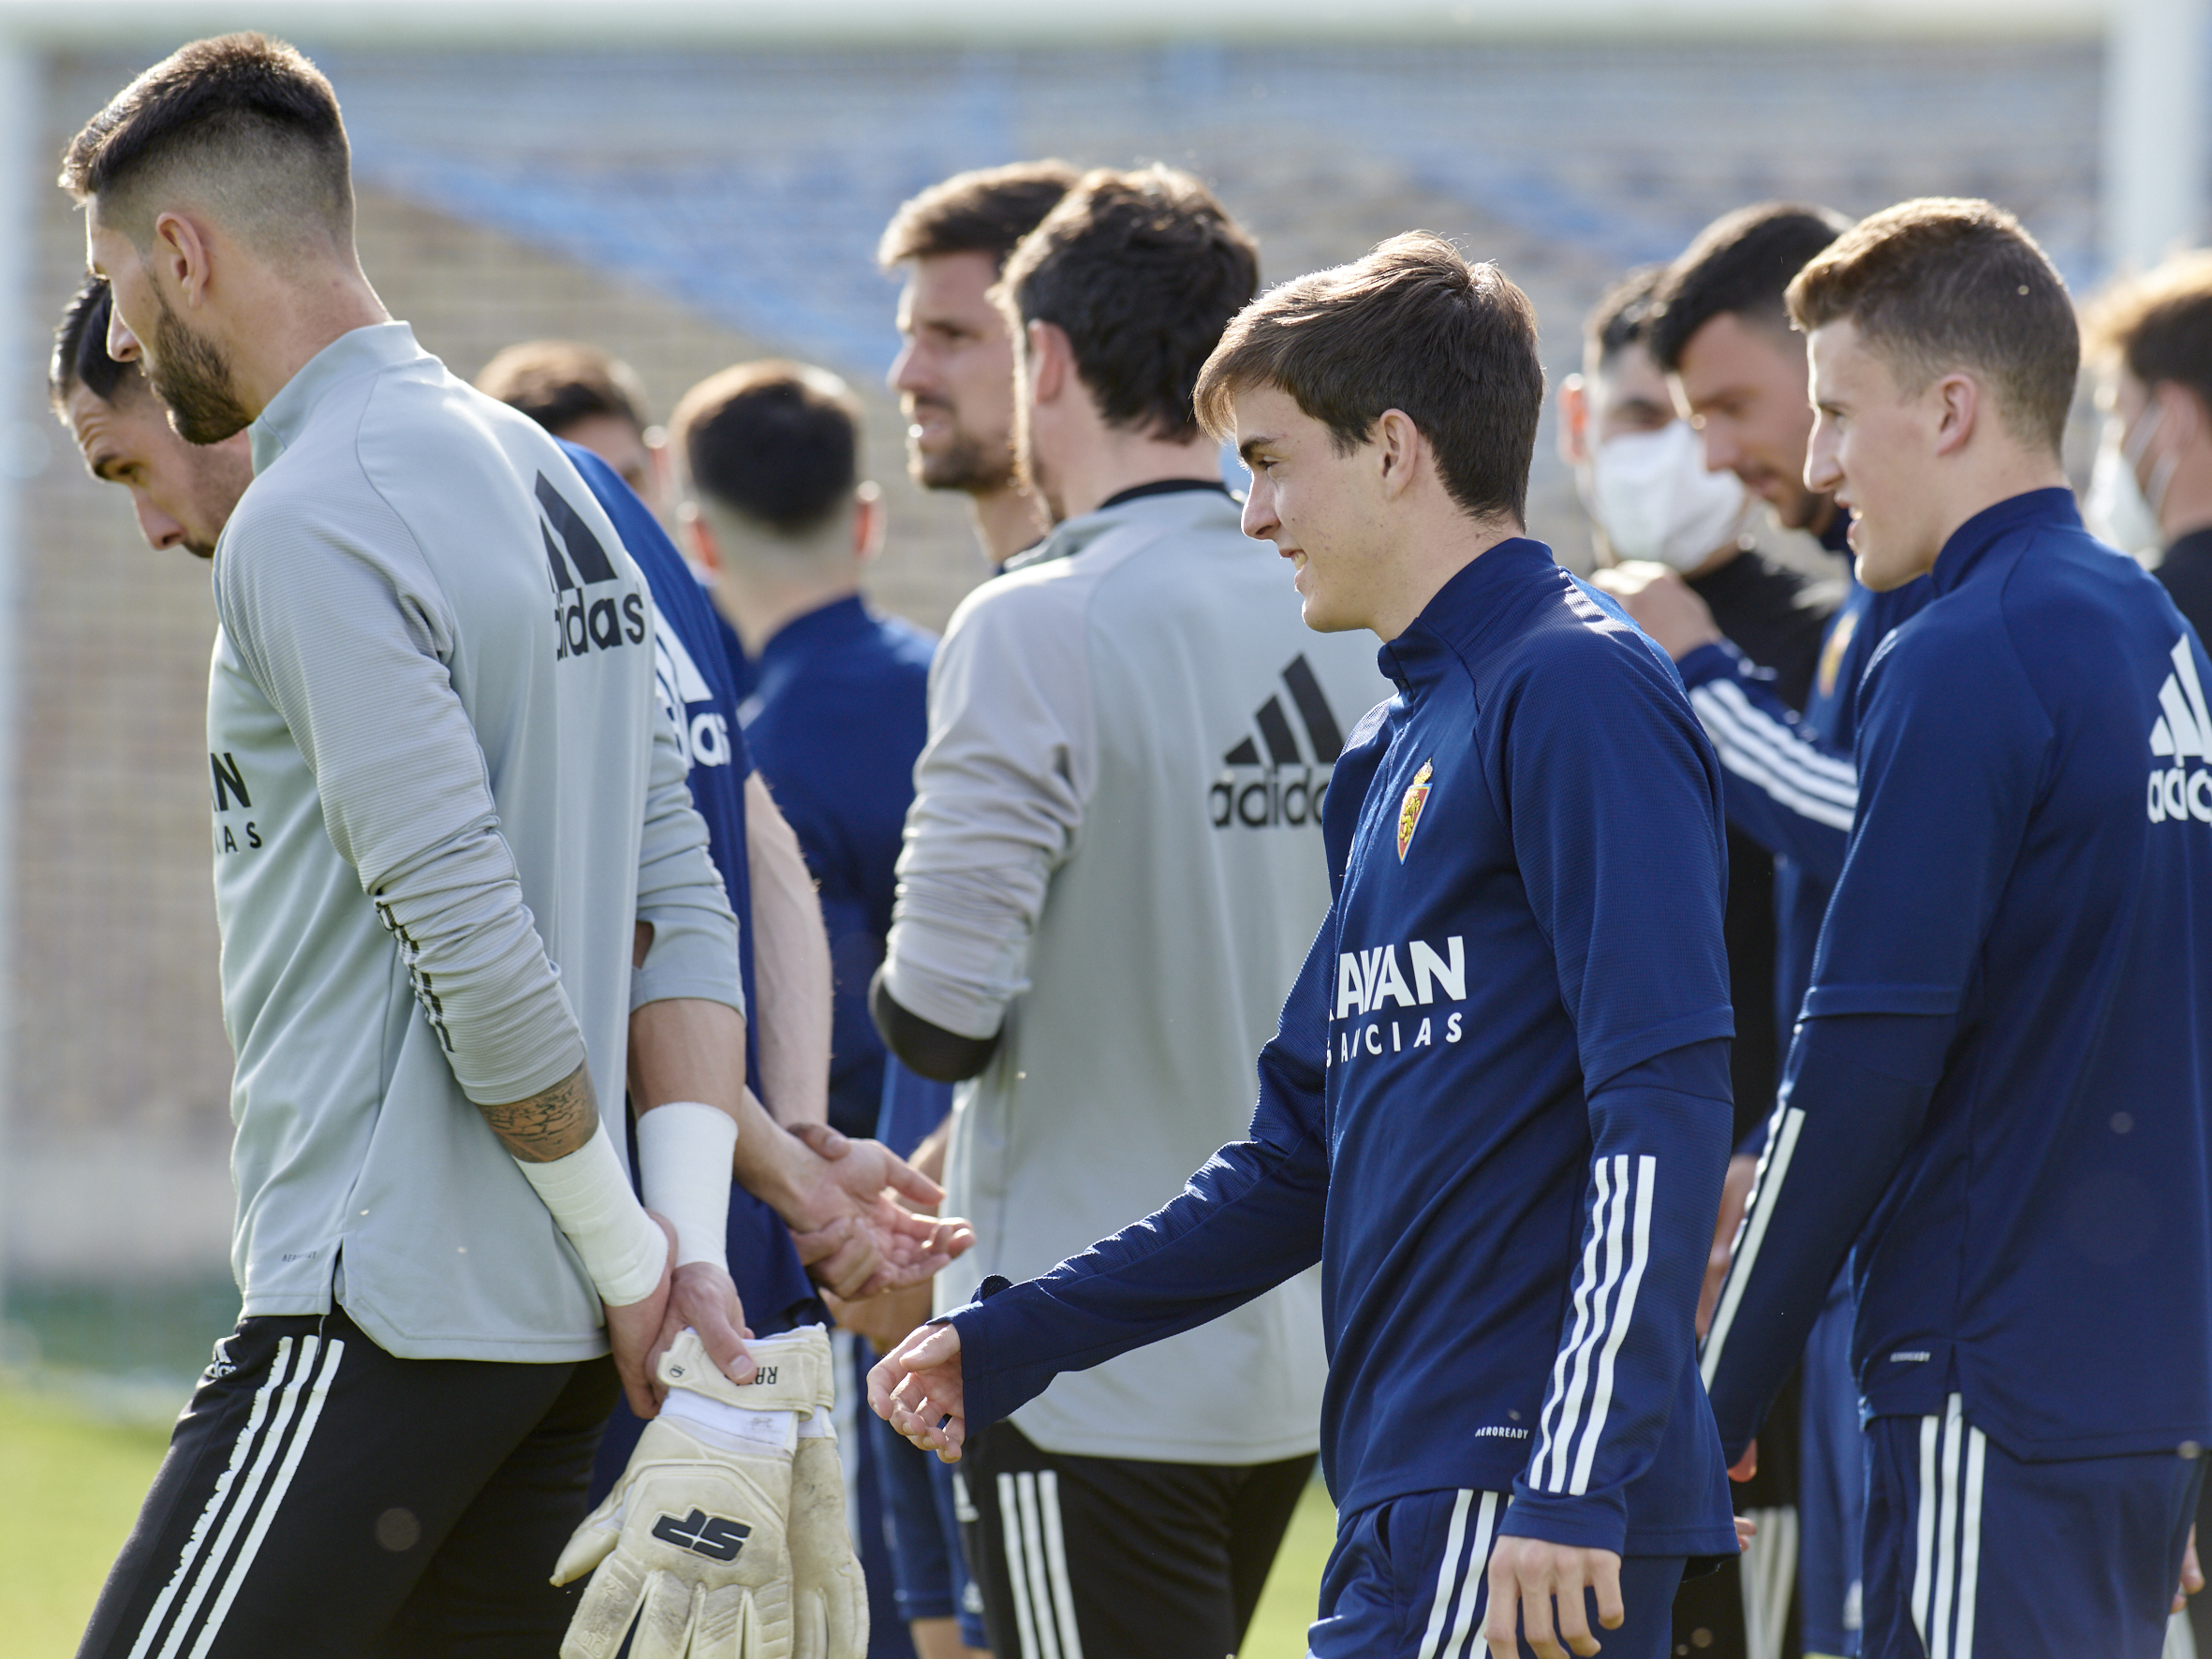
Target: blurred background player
point(588, 397)
point(955, 377)
point(779, 517)
point(1656, 503)
point(1996, 1102)
point(956, 373)
point(2150, 343)
point(1105, 887)
point(1719, 328)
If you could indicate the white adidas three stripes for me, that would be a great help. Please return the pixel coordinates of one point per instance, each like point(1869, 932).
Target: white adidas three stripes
point(1747, 742)
point(1613, 1266)
point(1462, 1577)
point(1947, 1545)
point(228, 1535)
point(1037, 1563)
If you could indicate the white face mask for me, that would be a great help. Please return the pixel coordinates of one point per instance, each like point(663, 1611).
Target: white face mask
point(1652, 496)
point(2118, 511)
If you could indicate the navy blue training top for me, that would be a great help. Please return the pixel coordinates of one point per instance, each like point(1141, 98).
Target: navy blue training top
point(690, 675)
point(2000, 1086)
point(836, 721)
point(1792, 781)
point(1496, 1109)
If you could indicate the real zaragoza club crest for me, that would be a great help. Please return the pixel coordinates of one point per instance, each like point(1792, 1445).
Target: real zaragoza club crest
point(1410, 809)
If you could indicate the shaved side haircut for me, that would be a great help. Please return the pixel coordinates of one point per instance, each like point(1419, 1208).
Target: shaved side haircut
point(1413, 326)
point(2158, 325)
point(1740, 265)
point(81, 353)
point(1142, 271)
point(241, 123)
point(985, 212)
point(1941, 284)
point(556, 383)
point(775, 443)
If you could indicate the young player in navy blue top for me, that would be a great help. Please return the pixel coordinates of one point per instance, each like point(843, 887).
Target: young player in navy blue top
point(1995, 1101)
point(1496, 1109)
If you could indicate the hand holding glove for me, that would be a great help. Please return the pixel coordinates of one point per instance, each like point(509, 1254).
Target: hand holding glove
point(695, 1543)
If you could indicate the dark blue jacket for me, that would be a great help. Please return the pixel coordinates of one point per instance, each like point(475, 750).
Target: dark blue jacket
point(836, 721)
point(692, 677)
point(1497, 1107)
point(1998, 1091)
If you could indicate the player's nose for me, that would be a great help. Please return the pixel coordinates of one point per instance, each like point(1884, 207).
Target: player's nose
point(160, 531)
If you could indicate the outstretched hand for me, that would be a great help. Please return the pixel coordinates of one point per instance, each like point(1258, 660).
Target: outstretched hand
point(856, 1237)
point(916, 1388)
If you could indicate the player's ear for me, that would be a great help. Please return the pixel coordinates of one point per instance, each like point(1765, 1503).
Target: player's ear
point(869, 520)
point(700, 536)
point(1574, 420)
point(1956, 409)
point(1051, 360)
point(1398, 443)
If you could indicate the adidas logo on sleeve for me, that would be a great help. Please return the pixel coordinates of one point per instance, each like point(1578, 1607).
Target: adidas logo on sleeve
point(2182, 732)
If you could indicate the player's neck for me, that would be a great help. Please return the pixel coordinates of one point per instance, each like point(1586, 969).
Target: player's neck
point(294, 323)
point(1007, 520)
point(760, 602)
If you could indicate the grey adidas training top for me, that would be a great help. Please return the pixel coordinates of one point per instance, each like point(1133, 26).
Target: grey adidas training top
point(443, 794)
point(1114, 853)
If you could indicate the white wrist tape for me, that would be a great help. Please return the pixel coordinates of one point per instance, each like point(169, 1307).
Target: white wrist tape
point(684, 1152)
point(624, 1249)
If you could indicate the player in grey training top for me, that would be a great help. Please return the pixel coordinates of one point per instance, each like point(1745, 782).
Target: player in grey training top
point(1112, 872)
point(448, 812)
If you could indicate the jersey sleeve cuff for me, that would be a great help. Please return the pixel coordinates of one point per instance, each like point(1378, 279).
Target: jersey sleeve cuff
point(694, 954)
point(1716, 660)
point(1591, 1522)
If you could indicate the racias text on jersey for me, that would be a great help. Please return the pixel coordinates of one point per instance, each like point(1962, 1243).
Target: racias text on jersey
point(584, 622)
point(1395, 997)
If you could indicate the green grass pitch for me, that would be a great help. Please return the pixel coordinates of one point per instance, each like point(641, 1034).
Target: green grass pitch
point(73, 1486)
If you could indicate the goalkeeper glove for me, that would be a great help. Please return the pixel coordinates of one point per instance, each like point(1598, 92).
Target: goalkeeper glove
point(831, 1615)
point(692, 1544)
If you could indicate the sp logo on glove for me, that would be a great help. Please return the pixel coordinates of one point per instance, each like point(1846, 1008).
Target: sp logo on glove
point(695, 1545)
point(715, 1536)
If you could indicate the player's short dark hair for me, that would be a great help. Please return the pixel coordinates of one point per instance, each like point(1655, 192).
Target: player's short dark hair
point(249, 121)
point(1622, 315)
point(556, 383)
point(1142, 271)
point(778, 443)
point(1943, 283)
point(987, 211)
point(1739, 264)
point(2158, 325)
point(80, 351)
point(1412, 327)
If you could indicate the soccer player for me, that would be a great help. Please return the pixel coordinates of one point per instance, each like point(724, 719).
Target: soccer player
point(1654, 501)
point(588, 397)
point(956, 374)
point(779, 516)
point(1495, 1109)
point(2151, 342)
point(1111, 869)
point(408, 1405)
point(1720, 331)
point(1998, 1088)
point(182, 492)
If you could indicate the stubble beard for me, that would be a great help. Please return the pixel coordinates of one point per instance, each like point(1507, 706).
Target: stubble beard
point(192, 376)
point(968, 465)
